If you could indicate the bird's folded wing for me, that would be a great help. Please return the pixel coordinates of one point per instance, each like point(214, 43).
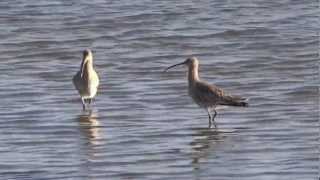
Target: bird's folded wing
point(209, 91)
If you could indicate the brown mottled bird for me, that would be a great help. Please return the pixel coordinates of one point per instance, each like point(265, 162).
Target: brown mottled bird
point(86, 81)
point(205, 95)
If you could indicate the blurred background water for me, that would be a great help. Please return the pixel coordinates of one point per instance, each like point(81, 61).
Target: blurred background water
point(143, 125)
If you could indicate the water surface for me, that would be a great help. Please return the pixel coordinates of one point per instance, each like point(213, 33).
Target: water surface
point(143, 125)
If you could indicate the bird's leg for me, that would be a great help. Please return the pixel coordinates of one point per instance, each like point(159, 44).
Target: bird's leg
point(210, 118)
point(89, 101)
point(215, 114)
point(83, 103)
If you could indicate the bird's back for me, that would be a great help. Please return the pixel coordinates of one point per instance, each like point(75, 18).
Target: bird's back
point(204, 94)
point(207, 95)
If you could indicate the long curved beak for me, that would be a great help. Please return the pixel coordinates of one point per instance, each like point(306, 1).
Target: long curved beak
point(174, 66)
point(84, 61)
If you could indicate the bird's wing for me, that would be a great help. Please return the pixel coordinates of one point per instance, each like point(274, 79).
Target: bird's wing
point(237, 98)
point(76, 79)
point(95, 79)
point(77, 82)
point(209, 91)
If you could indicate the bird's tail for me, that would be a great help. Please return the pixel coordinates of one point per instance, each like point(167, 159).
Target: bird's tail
point(234, 101)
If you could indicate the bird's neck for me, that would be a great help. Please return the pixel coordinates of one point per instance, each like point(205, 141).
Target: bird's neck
point(193, 75)
point(88, 68)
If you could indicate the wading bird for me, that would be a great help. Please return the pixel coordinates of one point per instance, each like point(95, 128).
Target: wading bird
point(205, 95)
point(86, 81)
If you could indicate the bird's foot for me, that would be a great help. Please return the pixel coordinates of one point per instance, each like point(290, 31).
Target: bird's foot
point(215, 125)
point(212, 122)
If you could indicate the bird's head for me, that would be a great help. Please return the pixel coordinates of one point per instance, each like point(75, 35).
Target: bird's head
point(190, 62)
point(87, 58)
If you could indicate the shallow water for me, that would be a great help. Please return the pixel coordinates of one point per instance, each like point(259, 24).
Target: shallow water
point(143, 125)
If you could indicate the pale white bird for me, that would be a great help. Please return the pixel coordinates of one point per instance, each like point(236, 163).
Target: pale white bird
point(86, 81)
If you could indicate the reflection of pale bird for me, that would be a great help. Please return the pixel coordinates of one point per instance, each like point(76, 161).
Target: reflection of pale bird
point(205, 95)
point(91, 126)
point(86, 80)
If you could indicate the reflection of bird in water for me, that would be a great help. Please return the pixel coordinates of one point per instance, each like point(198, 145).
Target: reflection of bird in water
point(90, 131)
point(90, 126)
point(203, 144)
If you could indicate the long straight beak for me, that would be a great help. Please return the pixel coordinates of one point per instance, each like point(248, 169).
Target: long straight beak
point(83, 65)
point(174, 66)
